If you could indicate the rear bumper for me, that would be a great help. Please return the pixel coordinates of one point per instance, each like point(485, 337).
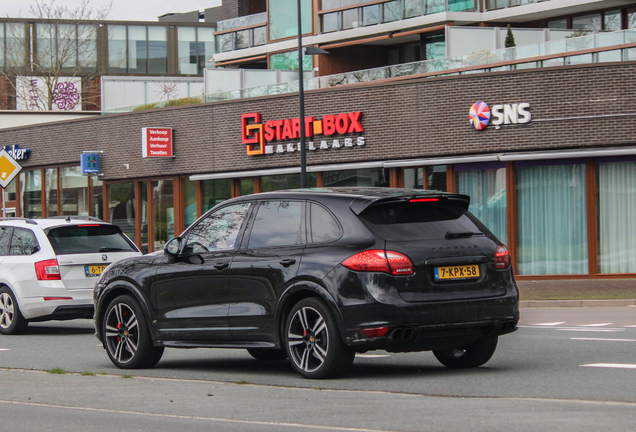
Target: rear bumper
point(432, 325)
point(77, 306)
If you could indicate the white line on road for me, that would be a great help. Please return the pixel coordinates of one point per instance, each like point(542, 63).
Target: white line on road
point(611, 365)
point(550, 324)
point(608, 340)
point(295, 426)
point(5, 349)
point(595, 325)
point(590, 329)
point(371, 356)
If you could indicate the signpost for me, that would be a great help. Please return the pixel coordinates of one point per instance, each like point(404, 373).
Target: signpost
point(9, 168)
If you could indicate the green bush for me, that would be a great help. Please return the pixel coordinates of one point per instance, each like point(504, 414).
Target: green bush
point(146, 106)
point(183, 101)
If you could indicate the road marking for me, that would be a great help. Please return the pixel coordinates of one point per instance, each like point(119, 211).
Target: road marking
point(5, 349)
point(371, 356)
point(295, 426)
point(608, 340)
point(589, 329)
point(611, 365)
point(550, 324)
point(631, 326)
point(595, 325)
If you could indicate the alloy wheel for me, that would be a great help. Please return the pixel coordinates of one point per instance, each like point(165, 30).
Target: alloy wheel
point(308, 339)
point(122, 333)
point(6, 310)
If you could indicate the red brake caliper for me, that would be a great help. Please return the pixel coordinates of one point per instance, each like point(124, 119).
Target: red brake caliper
point(118, 327)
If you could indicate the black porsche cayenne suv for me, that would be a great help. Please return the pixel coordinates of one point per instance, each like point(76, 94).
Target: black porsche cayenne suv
point(316, 276)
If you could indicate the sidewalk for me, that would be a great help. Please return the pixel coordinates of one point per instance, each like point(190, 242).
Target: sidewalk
point(577, 293)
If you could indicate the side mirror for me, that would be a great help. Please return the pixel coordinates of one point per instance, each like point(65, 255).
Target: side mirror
point(173, 246)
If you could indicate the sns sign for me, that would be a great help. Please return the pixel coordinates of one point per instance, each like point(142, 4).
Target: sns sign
point(481, 115)
point(156, 142)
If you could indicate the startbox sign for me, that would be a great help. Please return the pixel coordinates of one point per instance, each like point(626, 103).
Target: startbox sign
point(156, 142)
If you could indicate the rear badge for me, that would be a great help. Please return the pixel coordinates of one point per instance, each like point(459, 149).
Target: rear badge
point(104, 257)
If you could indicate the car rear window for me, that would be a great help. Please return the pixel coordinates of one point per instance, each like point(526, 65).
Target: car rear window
point(78, 239)
point(418, 220)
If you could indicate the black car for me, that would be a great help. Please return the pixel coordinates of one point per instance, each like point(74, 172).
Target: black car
point(317, 275)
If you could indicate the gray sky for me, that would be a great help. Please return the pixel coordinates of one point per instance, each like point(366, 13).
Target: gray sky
point(129, 10)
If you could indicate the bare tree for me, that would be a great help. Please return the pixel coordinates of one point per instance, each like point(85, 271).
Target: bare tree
point(47, 58)
point(168, 88)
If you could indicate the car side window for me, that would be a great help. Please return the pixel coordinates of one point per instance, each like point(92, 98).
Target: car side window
point(324, 227)
point(5, 240)
point(218, 230)
point(23, 242)
point(277, 223)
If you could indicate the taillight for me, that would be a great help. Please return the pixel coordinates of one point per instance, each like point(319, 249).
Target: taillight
point(502, 258)
point(374, 332)
point(47, 270)
point(377, 260)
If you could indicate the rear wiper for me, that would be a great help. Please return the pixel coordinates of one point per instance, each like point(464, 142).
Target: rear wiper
point(111, 249)
point(451, 234)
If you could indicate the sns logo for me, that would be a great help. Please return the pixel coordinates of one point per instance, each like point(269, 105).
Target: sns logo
point(481, 115)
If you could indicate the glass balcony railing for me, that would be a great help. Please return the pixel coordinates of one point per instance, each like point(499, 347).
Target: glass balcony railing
point(245, 38)
point(243, 21)
point(519, 57)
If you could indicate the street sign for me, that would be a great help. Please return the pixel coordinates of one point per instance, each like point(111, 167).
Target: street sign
point(9, 168)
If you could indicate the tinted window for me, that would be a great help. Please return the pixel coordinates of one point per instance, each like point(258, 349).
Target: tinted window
point(218, 230)
point(418, 221)
point(277, 223)
point(324, 226)
point(5, 240)
point(23, 242)
point(77, 239)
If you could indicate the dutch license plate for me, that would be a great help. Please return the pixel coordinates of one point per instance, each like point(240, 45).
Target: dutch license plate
point(94, 270)
point(456, 272)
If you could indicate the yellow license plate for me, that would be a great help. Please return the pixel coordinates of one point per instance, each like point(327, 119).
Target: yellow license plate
point(94, 270)
point(457, 272)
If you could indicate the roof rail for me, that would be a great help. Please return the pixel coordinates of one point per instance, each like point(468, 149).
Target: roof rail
point(27, 220)
point(69, 218)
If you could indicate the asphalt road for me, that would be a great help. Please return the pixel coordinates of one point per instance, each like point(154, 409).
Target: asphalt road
point(565, 369)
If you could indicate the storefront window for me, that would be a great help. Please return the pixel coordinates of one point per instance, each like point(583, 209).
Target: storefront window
point(50, 191)
point(163, 212)
point(247, 186)
point(436, 176)
point(121, 207)
point(74, 191)
point(31, 191)
point(283, 18)
point(379, 177)
point(285, 181)
point(616, 203)
point(551, 219)
point(414, 178)
point(189, 202)
point(215, 192)
point(98, 197)
point(486, 186)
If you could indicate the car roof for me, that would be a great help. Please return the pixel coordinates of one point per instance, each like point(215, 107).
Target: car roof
point(50, 222)
point(359, 197)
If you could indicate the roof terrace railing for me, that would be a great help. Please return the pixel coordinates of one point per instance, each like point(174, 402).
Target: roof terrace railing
point(595, 48)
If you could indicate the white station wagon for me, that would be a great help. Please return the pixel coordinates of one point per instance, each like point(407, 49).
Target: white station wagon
point(48, 267)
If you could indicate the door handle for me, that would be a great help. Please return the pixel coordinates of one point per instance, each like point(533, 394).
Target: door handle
point(287, 262)
point(221, 266)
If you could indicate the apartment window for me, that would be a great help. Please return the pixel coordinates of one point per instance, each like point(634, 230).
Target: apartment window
point(289, 61)
point(137, 49)
point(587, 22)
point(196, 47)
point(283, 18)
point(612, 20)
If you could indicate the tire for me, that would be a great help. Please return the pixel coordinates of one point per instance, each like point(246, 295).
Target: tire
point(313, 342)
point(267, 354)
point(472, 355)
point(127, 337)
point(11, 320)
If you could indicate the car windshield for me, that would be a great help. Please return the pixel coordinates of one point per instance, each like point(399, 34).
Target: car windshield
point(89, 238)
point(419, 220)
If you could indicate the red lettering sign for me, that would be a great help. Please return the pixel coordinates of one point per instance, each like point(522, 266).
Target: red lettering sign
point(156, 142)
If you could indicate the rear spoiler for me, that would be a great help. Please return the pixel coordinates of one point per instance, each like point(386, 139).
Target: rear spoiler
point(359, 205)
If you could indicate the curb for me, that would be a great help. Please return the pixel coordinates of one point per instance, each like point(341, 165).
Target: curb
point(576, 303)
